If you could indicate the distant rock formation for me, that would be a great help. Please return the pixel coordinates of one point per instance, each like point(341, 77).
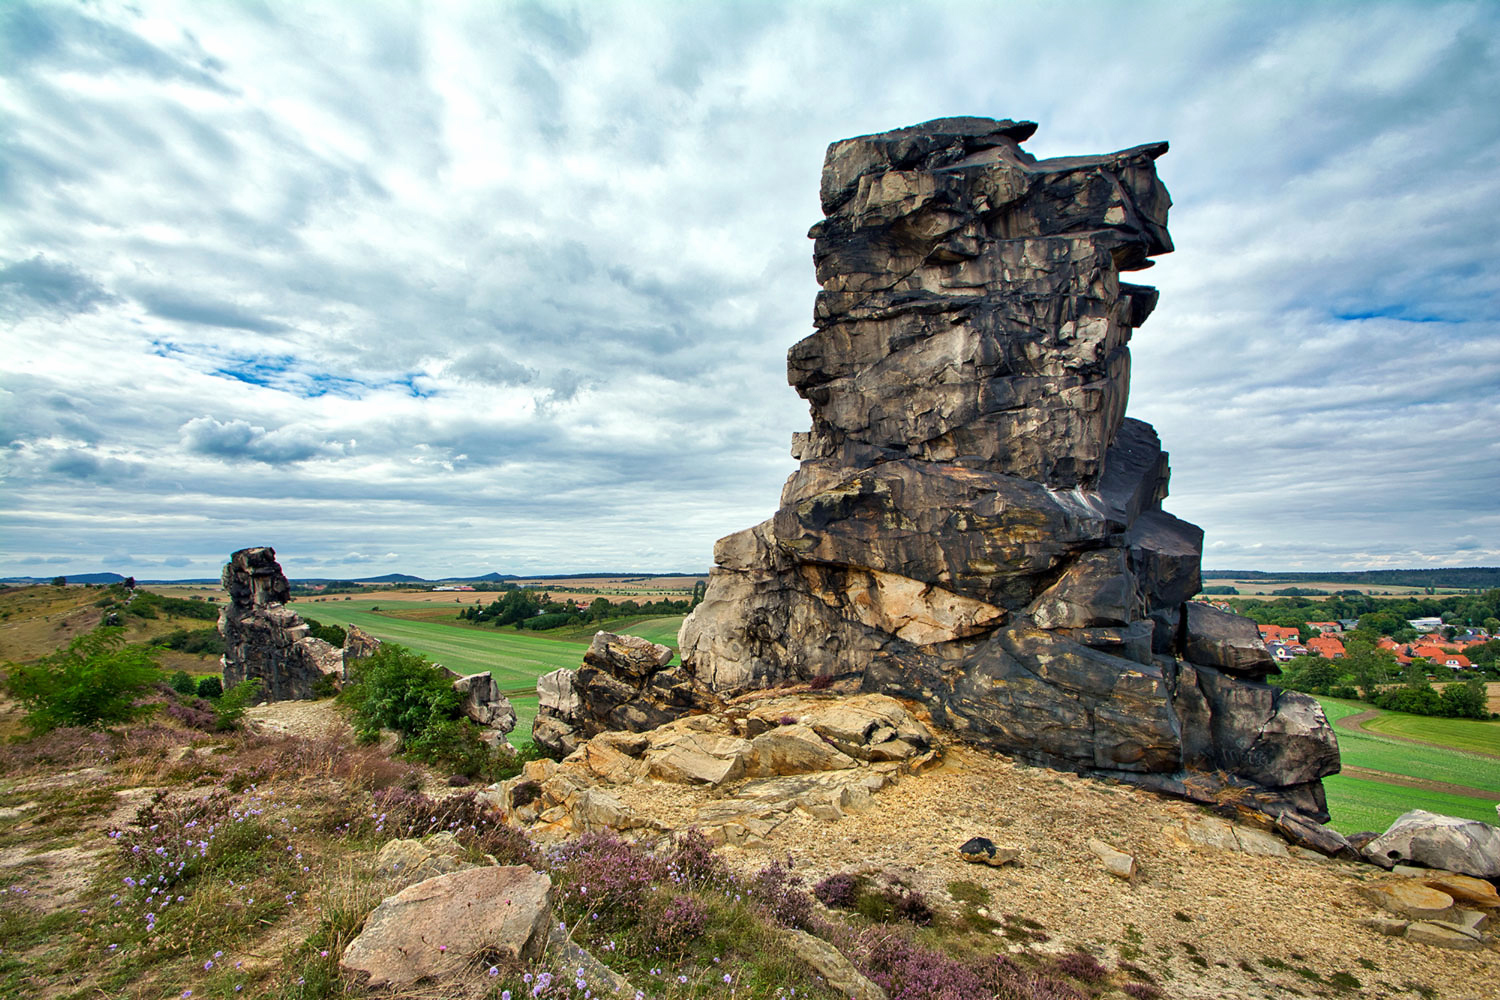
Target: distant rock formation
point(265, 639)
point(976, 524)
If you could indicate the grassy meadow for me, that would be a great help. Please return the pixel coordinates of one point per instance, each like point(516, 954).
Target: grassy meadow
point(1362, 803)
point(515, 659)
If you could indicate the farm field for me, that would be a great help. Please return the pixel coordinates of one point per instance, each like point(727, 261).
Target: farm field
point(514, 659)
point(1465, 734)
point(1359, 802)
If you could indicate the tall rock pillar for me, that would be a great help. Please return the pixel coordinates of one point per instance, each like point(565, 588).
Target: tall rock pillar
point(975, 522)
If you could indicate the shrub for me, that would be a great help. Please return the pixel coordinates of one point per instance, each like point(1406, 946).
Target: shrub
point(95, 681)
point(201, 641)
point(210, 687)
point(782, 894)
point(196, 714)
point(606, 875)
point(398, 689)
point(691, 858)
point(182, 683)
point(230, 707)
point(839, 891)
point(680, 922)
point(334, 635)
point(1080, 965)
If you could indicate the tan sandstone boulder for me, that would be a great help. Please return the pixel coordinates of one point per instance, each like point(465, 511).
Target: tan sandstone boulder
point(435, 929)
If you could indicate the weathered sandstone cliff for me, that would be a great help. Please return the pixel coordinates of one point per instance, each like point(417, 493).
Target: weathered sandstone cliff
point(976, 524)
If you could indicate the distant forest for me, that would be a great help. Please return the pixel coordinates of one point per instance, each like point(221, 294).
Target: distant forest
point(1476, 577)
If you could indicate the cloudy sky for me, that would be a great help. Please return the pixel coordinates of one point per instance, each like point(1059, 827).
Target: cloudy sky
point(453, 288)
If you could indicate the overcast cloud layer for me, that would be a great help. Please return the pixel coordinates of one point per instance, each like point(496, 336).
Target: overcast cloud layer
point(448, 289)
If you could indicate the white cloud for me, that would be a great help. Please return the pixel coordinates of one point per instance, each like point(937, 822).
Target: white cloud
point(509, 287)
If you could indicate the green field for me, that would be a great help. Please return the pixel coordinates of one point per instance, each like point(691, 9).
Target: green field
point(1357, 804)
point(514, 659)
point(1362, 804)
point(1465, 734)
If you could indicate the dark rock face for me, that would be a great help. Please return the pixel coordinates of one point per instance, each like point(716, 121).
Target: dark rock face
point(975, 522)
point(267, 640)
point(625, 683)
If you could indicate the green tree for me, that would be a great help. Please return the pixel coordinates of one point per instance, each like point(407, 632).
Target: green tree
point(1465, 701)
point(96, 681)
point(59, 581)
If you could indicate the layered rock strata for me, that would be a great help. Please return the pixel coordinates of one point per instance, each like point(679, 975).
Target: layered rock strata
point(763, 760)
point(975, 522)
point(625, 683)
point(266, 640)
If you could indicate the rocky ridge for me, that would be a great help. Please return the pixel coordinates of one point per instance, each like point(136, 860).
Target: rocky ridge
point(975, 523)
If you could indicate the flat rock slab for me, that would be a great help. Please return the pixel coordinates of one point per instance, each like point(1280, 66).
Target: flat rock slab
point(1409, 899)
point(1443, 935)
point(435, 929)
point(1466, 890)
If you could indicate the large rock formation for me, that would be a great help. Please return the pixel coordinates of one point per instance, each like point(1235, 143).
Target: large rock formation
point(976, 523)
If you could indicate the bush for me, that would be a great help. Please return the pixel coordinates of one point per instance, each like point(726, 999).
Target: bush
point(230, 707)
point(782, 894)
point(203, 641)
point(839, 891)
point(334, 635)
point(183, 684)
point(680, 923)
point(95, 681)
point(691, 859)
point(1465, 701)
point(210, 687)
point(398, 689)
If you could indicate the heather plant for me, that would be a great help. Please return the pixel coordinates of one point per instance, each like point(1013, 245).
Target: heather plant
point(691, 860)
point(1081, 966)
point(839, 891)
point(195, 714)
point(601, 874)
point(679, 923)
point(781, 892)
point(97, 681)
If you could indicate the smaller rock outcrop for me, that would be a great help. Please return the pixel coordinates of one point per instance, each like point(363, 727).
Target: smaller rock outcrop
point(266, 640)
point(485, 705)
point(625, 683)
point(761, 760)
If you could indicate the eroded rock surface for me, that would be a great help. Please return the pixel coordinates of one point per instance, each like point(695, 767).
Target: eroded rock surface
point(625, 683)
point(763, 761)
point(975, 523)
point(265, 639)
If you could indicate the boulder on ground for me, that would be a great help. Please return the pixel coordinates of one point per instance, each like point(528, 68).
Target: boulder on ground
point(1117, 863)
point(984, 851)
point(1465, 846)
point(436, 929)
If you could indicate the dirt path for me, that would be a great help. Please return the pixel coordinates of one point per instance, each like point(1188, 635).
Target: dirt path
point(1355, 724)
point(1407, 781)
